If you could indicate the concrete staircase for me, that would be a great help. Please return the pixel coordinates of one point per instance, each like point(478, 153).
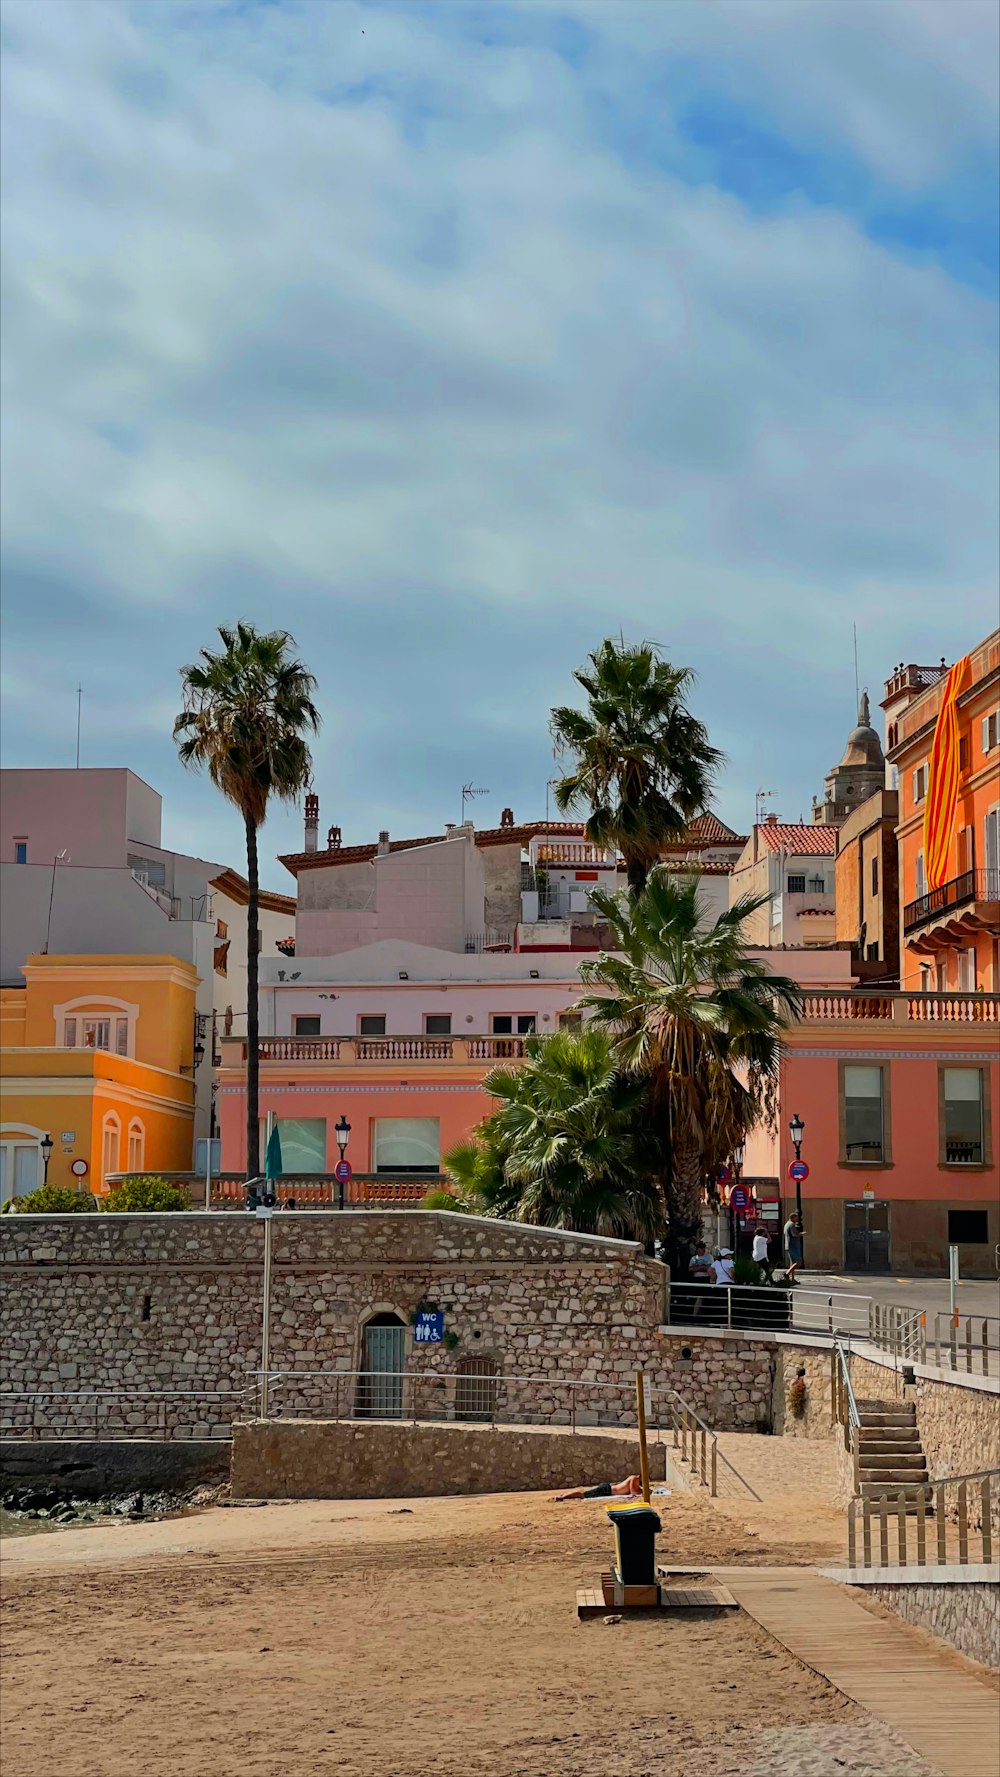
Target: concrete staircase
point(892, 1457)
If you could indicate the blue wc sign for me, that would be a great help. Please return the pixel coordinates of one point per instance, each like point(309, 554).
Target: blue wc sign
point(428, 1328)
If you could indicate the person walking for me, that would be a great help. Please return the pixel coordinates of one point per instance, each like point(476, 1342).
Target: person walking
point(760, 1253)
point(793, 1243)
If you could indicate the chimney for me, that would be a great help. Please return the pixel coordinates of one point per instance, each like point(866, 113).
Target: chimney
point(772, 820)
point(383, 842)
point(507, 817)
point(312, 822)
point(333, 839)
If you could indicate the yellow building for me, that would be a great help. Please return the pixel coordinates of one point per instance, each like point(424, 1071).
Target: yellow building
point(96, 1052)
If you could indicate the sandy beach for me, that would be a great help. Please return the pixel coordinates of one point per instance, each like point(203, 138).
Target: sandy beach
point(401, 1639)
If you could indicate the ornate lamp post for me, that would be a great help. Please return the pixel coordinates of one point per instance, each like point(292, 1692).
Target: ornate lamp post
point(796, 1130)
point(342, 1131)
point(46, 1144)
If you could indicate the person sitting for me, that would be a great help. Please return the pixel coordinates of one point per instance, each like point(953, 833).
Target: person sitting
point(630, 1488)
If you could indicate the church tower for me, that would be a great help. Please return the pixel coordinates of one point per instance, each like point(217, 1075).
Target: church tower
point(860, 773)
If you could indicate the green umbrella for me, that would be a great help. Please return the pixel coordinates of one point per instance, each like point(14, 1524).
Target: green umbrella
point(272, 1159)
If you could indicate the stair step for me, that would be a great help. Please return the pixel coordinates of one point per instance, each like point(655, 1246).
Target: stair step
point(889, 1436)
point(892, 1459)
point(892, 1484)
point(875, 1420)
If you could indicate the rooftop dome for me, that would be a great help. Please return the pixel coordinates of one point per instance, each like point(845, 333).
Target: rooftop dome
point(863, 744)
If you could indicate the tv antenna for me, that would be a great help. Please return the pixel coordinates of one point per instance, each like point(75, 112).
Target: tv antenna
point(762, 797)
point(468, 792)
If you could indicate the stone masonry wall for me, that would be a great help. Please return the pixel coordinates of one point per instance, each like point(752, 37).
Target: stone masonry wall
point(174, 1302)
point(966, 1615)
point(319, 1459)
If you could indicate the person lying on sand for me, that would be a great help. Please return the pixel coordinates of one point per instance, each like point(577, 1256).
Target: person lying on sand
point(630, 1488)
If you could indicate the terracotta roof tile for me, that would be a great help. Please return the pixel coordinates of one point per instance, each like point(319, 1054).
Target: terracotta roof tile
point(809, 842)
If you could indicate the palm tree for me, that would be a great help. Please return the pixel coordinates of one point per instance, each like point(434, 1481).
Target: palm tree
point(692, 1014)
point(247, 712)
point(641, 761)
point(565, 1146)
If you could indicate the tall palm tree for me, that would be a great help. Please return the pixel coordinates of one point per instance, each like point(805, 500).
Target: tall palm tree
point(697, 1018)
point(247, 712)
point(640, 760)
point(565, 1146)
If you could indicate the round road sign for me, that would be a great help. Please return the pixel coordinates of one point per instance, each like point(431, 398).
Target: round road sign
point(798, 1170)
point(739, 1197)
point(79, 1169)
point(343, 1171)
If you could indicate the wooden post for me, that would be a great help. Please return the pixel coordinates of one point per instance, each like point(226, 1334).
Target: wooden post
point(921, 1528)
point(968, 1345)
point(942, 1528)
point(987, 1526)
point(901, 1525)
point(866, 1530)
point(963, 1524)
point(852, 1539)
point(986, 1349)
point(883, 1530)
point(640, 1414)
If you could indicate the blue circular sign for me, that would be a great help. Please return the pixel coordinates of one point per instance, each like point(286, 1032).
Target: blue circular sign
point(798, 1170)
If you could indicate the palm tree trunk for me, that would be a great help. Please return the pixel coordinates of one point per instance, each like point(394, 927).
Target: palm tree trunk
point(683, 1209)
point(253, 1020)
point(636, 875)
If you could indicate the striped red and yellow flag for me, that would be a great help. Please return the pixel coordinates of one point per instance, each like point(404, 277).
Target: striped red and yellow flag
point(942, 789)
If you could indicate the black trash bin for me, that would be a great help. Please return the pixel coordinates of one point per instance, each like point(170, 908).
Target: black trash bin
point(636, 1530)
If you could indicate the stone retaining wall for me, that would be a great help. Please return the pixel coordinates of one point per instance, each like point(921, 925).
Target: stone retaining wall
point(87, 1470)
point(319, 1459)
point(965, 1613)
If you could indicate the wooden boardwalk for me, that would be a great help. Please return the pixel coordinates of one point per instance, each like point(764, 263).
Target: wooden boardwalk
point(945, 1713)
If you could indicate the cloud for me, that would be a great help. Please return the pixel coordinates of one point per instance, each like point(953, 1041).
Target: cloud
point(400, 340)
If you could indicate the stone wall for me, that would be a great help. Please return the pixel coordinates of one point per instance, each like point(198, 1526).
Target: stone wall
point(320, 1459)
point(966, 1613)
point(174, 1303)
point(87, 1470)
point(813, 1369)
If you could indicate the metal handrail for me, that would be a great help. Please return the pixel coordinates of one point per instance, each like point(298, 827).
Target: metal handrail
point(818, 1311)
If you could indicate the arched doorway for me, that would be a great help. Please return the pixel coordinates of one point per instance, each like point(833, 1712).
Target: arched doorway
point(476, 1389)
point(383, 1360)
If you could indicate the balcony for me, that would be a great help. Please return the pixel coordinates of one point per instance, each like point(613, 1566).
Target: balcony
point(959, 908)
point(349, 1051)
point(836, 1007)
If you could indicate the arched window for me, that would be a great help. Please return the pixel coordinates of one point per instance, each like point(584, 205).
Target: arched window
point(96, 1022)
point(111, 1146)
point(136, 1145)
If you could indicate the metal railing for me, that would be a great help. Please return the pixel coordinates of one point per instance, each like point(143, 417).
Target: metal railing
point(767, 1308)
point(900, 1519)
point(972, 885)
point(112, 1415)
point(961, 1342)
point(844, 1408)
point(457, 1397)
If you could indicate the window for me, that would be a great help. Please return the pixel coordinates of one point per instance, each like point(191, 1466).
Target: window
point(920, 877)
point(991, 732)
point(941, 975)
point(968, 1227)
point(963, 752)
point(817, 885)
point(407, 1144)
point(863, 1120)
point(136, 1146)
point(20, 851)
point(963, 1116)
point(874, 876)
point(991, 854)
point(371, 1024)
point(121, 1036)
point(796, 885)
point(508, 1024)
point(926, 978)
point(920, 783)
point(111, 1146)
point(151, 870)
point(437, 1024)
point(97, 1033)
point(571, 1021)
point(69, 1034)
point(306, 1024)
point(967, 971)
point(303, 1143)
point(872, 952)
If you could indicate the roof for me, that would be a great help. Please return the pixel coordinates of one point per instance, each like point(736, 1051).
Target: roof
point(808, 842)
point(707, 829)
point(231, 883)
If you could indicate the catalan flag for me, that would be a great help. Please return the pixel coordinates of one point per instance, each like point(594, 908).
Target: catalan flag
point(942, 788)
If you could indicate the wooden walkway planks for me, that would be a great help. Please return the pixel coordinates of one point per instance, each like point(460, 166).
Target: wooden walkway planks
point(946, 1714)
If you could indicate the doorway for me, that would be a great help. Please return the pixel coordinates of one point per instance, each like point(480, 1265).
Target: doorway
point(476, 1389)
point(383, 1359)
point(866, 1236)
point(20, 1168)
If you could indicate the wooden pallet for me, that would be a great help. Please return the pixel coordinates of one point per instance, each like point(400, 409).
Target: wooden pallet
point(611, 1596)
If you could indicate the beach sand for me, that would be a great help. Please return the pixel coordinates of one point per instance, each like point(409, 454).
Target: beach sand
point(419, 1638)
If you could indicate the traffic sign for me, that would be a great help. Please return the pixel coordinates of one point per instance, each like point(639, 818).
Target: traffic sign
point(739, 1197)
point(798, 1171)
point(79, 1169)
point(343, 1171)
point(723, 1176)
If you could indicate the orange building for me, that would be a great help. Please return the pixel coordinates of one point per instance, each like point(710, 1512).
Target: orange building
point(950, 917)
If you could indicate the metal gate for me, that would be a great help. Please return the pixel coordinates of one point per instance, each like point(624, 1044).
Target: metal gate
point(866, 1236)
point(383, 1359)
point(476, 1389)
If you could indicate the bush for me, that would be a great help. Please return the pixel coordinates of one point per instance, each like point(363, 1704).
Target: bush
point(52, 1200)
point(146, 1193)
point(441, 1199)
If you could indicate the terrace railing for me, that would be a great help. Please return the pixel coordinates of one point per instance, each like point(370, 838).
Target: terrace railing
point(945, 1521)
point(969, 1343)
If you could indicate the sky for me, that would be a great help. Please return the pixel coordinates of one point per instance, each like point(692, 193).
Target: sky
point(455, 337)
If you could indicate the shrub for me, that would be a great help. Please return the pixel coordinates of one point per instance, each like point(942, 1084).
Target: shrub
point(439, 1198)
point(145, 1193)
point(52, 1200)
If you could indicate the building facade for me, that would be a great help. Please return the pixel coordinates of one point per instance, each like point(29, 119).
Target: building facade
point(867, 888)
point(794, 866)
point(96, 1052)
point(950, 929)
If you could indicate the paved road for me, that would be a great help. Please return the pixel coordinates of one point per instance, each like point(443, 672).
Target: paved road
point(975, 1296)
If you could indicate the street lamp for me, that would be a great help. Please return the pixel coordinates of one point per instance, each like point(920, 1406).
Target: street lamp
point(796, 1130)
point(46, 1144)
point(342, 1131)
